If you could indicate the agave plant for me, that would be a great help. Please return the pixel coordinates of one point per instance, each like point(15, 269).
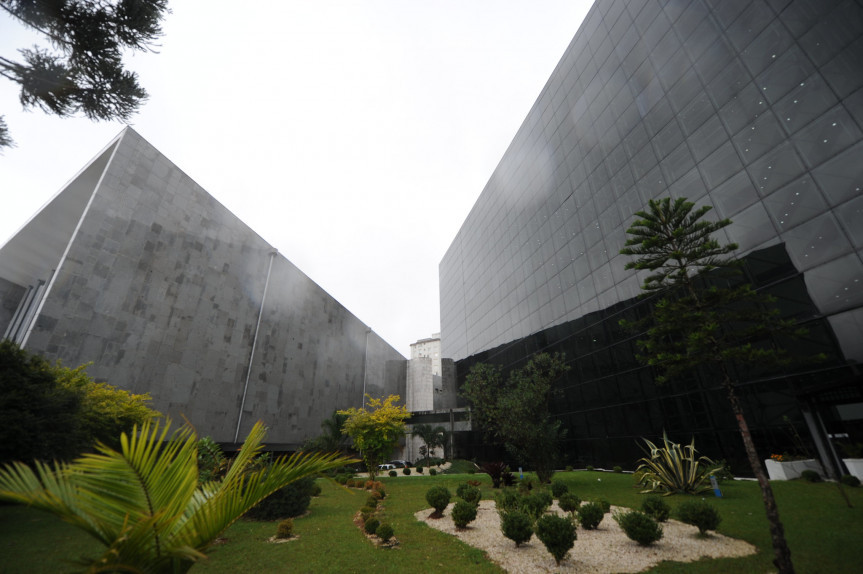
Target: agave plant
point(144, 503)
point(674, 468)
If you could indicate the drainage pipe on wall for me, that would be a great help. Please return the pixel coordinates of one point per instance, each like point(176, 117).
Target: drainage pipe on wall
point(254, 343)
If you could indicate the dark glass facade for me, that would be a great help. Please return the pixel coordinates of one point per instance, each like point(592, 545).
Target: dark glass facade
point(752, 107)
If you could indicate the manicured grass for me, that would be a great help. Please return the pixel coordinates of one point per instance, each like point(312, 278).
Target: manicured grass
point(822, 531)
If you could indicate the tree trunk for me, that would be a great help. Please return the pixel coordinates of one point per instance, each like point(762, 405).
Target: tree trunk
point(782, 561)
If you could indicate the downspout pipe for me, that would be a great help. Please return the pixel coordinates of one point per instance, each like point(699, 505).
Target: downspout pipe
point(254, 344)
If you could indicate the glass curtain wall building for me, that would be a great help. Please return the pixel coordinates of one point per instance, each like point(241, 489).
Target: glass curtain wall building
point(752, 107)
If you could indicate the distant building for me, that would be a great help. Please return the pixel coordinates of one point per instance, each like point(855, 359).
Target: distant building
point(134, 267)
point(754, 108)
point(431, 395)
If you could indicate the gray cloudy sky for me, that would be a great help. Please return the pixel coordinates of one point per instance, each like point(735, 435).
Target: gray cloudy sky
point(352, 136)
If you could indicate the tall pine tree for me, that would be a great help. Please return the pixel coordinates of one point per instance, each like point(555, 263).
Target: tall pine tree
point(83, 71)
point(711, 321)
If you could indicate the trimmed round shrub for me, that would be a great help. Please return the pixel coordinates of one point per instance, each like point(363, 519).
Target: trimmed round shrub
point(316, 489)
point(850, 480)
point(432, 472)
point(438, 498)
point(343, 479)
point(379, 495)
point(372, 501)
point(618, 469)
point(568, 468)
point(371, 525)
point(558, 488)
point(420, 469)
point(590, 515)
point(810, 476)
point(366, 512)
point(393, 473)
point(604, 505)
point(369, 484)
point(557, 534)
point(508, 500)
point(406, 471)
point(350, 483)
point(469, 493)
point(287, 502)
point(536, 503)
point(384, 531)
point(639, 526)
point(463, 513)
point(656, 508)
point(516, 525)
point(589, 467)
point(700, 514)
point(569, 502)
point(285, 529)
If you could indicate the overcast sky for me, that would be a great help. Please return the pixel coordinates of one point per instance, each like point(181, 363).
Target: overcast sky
point(352, 136)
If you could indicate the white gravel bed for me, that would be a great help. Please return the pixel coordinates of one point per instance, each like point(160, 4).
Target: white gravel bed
point(601, 551)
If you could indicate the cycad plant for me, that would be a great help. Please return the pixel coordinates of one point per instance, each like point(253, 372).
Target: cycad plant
point(144, 503)
point(674, 468)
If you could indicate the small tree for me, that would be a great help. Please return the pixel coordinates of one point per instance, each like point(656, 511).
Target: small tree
point(517, 412)
point(376, 430)
point(695, 324)
point(332, 439)
point(429, 436)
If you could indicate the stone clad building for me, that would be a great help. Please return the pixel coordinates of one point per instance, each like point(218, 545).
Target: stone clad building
point(136, 268)
point(754, 107)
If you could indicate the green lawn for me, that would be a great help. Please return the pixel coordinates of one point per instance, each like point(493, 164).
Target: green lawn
point(823, 533)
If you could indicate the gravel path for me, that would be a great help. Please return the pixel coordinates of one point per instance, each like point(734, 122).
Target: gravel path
point(601, 551)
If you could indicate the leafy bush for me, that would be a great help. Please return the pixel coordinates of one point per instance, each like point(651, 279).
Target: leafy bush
point(673, 468)
point(700, 514)
point(557, 534)
point(372, 502)
point(569, 502)
point(469, 493)
point(393, 473)
point(292, 500)
point(495, 470)
point(316, 490)
point(371, 525)
point(419, 469)
point(569, 468)
point(432, 472)
point(589, 467)
point(406, 471)
point(379, 491)
point(285, 529)
point(558, 488)
point(438, 498)
point(656, 508)
point(384, 531)
point(618, 469)
point(639, 526)
point(525, 485)
point(462, 513)
point(516, 525)
point(590, 515)
point(810, 476)
point(850, 480)
point(376, 494)
point(343, 478)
